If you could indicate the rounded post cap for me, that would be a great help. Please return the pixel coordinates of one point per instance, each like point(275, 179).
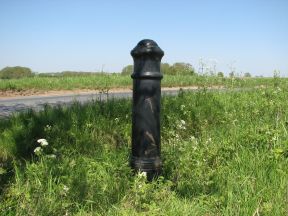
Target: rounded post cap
point(147, 47)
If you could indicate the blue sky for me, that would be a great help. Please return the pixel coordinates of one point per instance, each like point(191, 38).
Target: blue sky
point(91, 35)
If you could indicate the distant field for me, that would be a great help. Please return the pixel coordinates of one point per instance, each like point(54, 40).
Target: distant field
point(98, 82)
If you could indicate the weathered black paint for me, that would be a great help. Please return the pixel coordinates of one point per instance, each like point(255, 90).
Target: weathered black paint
point(146, 77)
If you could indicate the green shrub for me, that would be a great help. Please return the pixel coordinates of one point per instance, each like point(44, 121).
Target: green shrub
point(15, 72)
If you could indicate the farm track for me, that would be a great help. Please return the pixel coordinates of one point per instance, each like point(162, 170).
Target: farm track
point(10, 105)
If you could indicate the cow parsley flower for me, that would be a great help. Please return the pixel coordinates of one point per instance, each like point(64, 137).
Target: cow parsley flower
point(65, 188)
point(182, 124)
point(43, 142)
point(38, 150)
point(142, 174)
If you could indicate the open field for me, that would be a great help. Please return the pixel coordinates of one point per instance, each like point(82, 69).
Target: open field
point(224, 153)
point(38, 84)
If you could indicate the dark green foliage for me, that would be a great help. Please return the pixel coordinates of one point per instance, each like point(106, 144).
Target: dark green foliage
point(178, 68)
point(15, 72)
point(247, 74)
point(181, 68)
point(220, 74)
point(232, 74)
point(127, 70)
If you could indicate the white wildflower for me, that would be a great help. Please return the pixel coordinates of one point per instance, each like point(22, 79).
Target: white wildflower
point(38, 150)
point(142, 174)
point(65, 188)
point(182, 122)
point(43, 142)
point(48, 127)
point(208, 140)
point(192, 138)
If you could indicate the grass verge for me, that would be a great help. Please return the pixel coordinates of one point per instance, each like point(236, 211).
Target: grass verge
point(224, 153)
point(100, 82)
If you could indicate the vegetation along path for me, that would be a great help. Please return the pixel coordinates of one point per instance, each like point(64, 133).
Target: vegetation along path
point(224, 153)
point(9, 105)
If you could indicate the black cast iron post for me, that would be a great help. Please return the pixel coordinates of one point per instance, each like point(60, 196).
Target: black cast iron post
point(146, 108)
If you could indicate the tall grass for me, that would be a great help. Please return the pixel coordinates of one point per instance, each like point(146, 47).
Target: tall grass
point(66, 82)
point(103, 81)
point(224, 153)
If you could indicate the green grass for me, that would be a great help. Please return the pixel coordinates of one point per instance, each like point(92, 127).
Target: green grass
point(230, 157)
point(119, 81)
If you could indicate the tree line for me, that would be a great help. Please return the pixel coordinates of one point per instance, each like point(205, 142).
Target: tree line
point(178, 68)
point(21, 72)
point(182, 68)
